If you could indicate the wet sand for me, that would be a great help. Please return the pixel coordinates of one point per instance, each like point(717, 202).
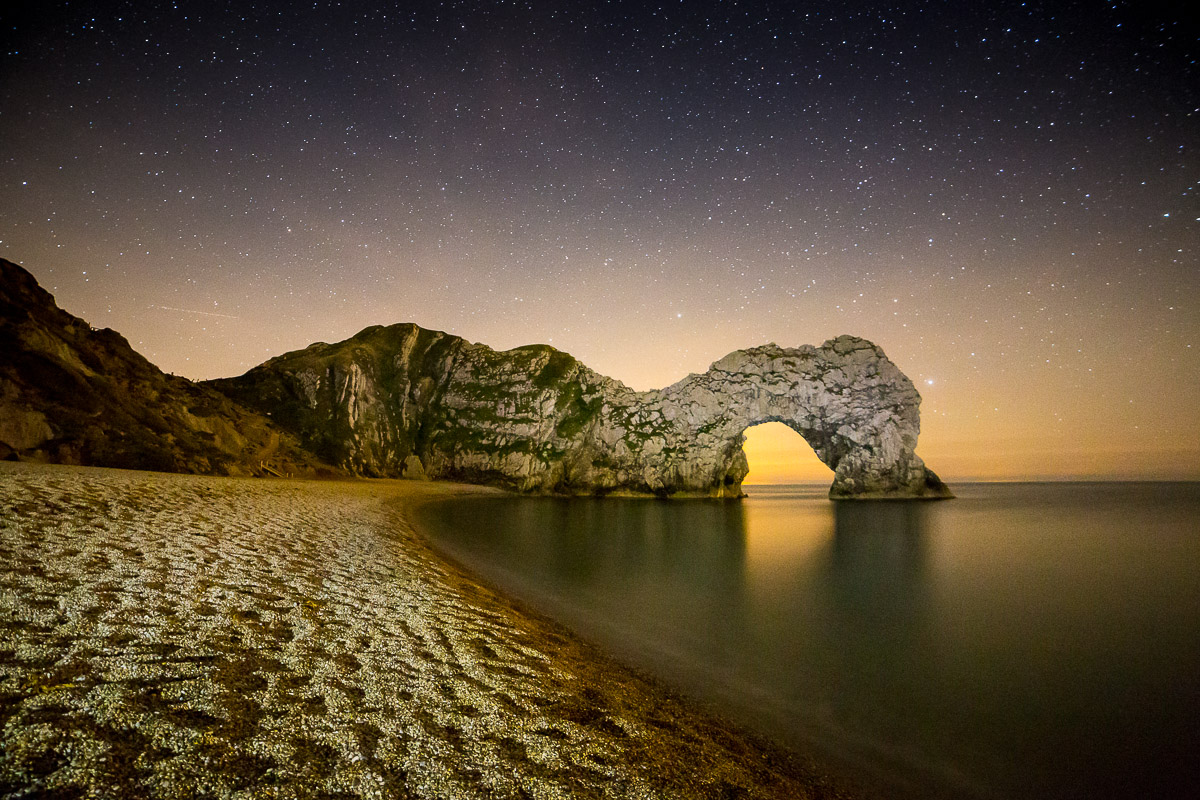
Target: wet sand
point(186, 636)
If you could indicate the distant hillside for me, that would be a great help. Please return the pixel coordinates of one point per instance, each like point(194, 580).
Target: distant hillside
point(75, 395)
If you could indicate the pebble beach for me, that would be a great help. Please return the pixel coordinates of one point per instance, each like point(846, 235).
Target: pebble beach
point(180, 636)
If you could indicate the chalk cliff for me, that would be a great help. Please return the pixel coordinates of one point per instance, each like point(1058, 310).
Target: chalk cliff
point(405, 401)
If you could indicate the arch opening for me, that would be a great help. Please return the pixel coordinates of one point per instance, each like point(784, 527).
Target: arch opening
point(776, 454)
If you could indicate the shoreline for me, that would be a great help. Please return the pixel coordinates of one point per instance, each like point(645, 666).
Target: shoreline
point(179, 636)
point(832, 775)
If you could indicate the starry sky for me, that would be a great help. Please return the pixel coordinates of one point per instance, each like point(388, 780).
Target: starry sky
point(1001, 195)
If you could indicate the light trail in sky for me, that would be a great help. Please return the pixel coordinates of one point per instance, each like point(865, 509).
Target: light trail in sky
point(193, 311)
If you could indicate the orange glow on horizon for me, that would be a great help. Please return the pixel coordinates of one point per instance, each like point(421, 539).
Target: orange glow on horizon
point(777, 454)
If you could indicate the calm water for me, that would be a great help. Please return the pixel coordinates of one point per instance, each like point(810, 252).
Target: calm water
point(1024, 640)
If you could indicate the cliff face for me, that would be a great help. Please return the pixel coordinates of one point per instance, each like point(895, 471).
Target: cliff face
point(75, 395)
point(405, 401)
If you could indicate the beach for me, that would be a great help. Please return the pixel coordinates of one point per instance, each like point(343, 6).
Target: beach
point(185, 636)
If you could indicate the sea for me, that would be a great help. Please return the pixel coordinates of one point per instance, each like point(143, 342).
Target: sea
point(1024, 640)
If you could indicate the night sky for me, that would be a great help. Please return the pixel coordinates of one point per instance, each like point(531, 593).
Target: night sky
point(1001, 195)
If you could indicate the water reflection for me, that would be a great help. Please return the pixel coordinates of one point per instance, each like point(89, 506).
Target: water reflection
point(877, 570)
point(879, 537)
point(583, 540)
point(673, 570)
point(1022, 641)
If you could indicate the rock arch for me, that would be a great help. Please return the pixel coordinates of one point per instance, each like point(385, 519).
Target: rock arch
point(402, 400)
point(854, 407)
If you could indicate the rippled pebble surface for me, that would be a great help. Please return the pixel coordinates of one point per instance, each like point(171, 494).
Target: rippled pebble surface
point(185, 636)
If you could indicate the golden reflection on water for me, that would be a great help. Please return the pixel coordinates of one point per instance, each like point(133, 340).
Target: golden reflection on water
point(781, 536)
point(966, 644)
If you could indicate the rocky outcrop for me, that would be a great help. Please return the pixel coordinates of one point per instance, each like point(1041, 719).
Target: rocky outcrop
point(72, 394)
point(405, 401)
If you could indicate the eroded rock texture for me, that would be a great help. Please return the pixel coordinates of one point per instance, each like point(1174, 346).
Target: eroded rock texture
point(405, 401)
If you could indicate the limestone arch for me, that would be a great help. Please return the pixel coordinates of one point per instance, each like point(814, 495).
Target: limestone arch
point(852, 405)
